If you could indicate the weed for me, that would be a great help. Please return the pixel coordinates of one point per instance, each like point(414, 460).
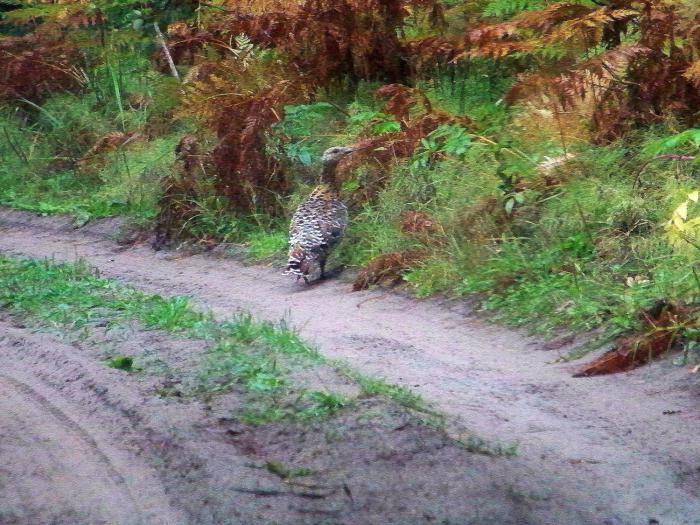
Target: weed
point(124, 363)
point(479, 446)
point(323, 404)
point(266, 245)
point(285, 472)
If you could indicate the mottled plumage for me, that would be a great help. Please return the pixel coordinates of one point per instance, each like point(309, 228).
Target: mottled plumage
point(318, 223)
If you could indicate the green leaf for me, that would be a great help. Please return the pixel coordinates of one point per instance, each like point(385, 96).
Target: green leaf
point(391, 126)
point(672, 143)
point(366, 116)
point(510, 203)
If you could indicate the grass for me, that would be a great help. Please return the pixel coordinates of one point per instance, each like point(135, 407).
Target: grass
point(124, 363)
point(477, 445)
point(124, 182)
point(243, 353)
point(256, 356)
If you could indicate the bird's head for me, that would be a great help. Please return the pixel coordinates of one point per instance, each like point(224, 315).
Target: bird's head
point(334, 155)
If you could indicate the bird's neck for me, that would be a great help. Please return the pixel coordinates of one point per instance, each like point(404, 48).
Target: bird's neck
point(328, 175)
point(325, 192)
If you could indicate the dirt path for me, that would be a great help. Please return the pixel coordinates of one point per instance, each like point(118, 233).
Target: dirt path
point(61, 465)
point(623, 447)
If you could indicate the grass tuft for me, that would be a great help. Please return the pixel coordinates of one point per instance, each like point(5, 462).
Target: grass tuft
point(124, 363)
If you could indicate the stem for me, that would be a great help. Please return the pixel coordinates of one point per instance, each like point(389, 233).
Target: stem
point(695, 275)
point(513, 151)
point(586, 227)
point(20, 154)
point(166, 52)
point(562, 137)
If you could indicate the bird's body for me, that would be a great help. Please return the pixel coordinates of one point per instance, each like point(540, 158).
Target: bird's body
point(317, 226)
point(319, 222)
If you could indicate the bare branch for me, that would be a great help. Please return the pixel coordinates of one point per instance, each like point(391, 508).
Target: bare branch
point(166, 51)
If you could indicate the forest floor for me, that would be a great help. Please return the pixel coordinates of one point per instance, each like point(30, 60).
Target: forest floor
point(87, 444)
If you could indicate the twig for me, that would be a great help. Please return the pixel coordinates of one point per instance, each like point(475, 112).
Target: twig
point(695, 275)
point(338, 108)
point(261, 492)
point(674, 157)
point(275, 492)
point(166, 51)
point(220, 8)
point(18, 151)
point(511, 150)
point(584, 222)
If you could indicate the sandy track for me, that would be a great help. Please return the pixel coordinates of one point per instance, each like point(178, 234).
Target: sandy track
point(62, 462)
point(604, 444)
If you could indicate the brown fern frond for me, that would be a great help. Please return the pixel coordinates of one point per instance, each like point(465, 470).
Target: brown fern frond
point(330, 39)
point(62, 14)
point(552, 17)
point(401, 99)
point(36, 65)
point(664, 324)
point(240, 100)
point(692, 73)
point(110, 142)
point(178, 204)
point(387, 269)
point(590, 28)
point(418, 224)
point(627, 84)
point(423, 54)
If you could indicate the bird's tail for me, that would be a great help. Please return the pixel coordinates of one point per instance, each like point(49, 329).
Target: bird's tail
point(297, 264)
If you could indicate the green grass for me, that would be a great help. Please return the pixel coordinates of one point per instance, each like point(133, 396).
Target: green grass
point(477, 445)
point(263, 245)
point(124, 363)
point(259, 357)
point(42, 144)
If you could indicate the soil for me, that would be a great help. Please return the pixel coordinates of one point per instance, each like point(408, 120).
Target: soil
point(82, 443)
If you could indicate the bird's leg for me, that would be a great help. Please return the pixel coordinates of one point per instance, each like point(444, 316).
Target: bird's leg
point(322, 263)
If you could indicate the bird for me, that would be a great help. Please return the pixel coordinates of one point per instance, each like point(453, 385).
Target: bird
point(319, 223)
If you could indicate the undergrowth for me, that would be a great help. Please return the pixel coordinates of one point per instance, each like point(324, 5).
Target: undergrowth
point(529, 154)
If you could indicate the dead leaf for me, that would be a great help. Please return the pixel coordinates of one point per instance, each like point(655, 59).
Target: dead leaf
point(388, 268)
point(663, 327)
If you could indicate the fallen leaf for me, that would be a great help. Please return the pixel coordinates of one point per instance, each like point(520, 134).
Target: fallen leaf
point(662, 322)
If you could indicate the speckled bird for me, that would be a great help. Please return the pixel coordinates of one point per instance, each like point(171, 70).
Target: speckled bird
point(319, 222)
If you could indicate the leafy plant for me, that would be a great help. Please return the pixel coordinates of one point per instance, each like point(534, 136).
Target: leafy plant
point(447, 139)
point(672, 143)
point(124, 363)
point(682, 230)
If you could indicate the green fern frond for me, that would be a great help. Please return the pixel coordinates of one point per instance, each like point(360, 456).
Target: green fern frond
point(501, 8)
point(672, 143)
